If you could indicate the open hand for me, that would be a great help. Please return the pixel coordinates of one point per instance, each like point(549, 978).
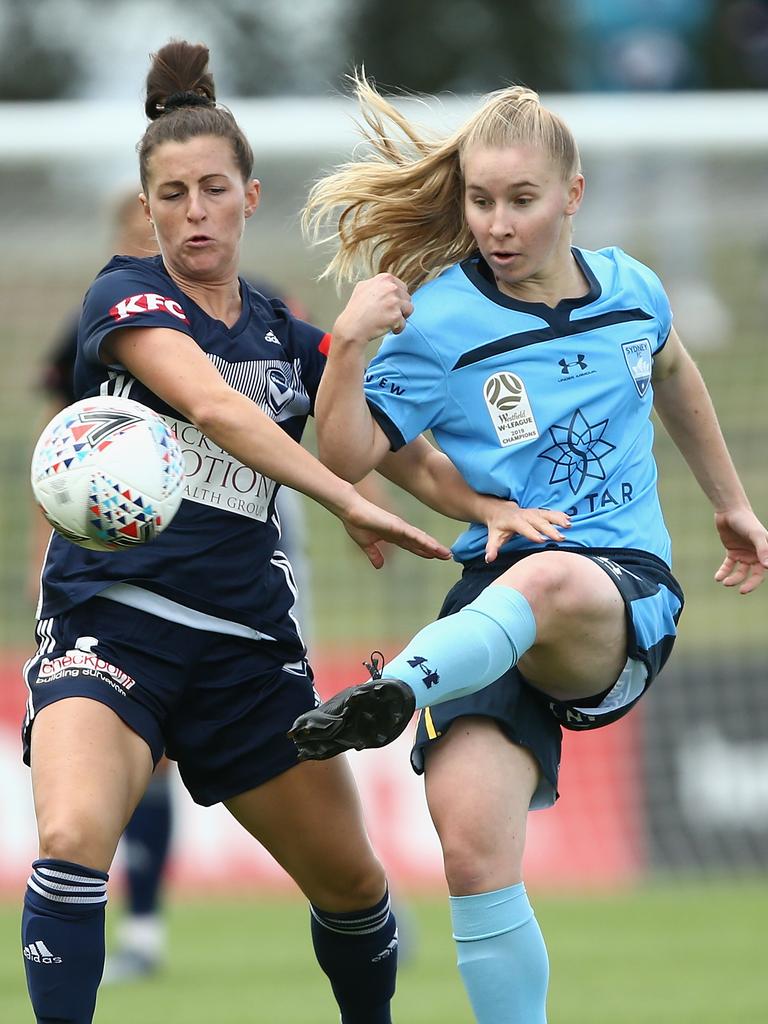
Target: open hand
point(506, 519)
point(368, 525)
point(745, 540)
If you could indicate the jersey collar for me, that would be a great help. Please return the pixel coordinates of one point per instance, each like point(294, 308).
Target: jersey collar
point(480, 275)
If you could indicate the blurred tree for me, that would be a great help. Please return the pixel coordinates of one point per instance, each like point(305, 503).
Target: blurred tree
point(459, 45)
point(250, 41)
point(274, 48)
point(33, 65)
point(57, 48)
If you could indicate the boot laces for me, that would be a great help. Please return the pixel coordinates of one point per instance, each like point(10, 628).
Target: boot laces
point(375, 666)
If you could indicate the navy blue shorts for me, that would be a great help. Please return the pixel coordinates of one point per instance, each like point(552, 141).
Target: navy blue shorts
point(219, 705)
point(653, 602)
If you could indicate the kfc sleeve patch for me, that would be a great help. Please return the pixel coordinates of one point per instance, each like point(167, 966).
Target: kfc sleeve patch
point(147, 302)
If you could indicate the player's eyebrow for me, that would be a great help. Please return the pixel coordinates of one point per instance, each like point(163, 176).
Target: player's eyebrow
point(512, 185)
point(205, 177)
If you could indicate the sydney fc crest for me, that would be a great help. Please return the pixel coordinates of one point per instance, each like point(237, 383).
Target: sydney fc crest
point(639, 359)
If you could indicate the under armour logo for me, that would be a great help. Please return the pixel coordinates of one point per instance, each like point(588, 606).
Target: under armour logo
point(579, 361)
point(431, 678)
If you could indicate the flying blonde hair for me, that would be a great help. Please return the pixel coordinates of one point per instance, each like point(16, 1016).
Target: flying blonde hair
point(400, 208)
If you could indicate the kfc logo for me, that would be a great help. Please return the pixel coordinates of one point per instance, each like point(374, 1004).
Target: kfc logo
point(149, 302)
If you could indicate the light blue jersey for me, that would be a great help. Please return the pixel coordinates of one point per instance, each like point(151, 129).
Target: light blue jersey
point(547, 406)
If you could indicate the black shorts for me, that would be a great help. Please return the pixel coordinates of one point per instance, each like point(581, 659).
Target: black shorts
point(653, 602)
point(219, 705)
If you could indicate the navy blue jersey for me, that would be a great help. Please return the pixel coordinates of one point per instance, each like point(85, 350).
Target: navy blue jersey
point(218, 557)
point(547, 406)
point(57, 379)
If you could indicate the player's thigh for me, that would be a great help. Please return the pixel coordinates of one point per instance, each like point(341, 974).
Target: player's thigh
point(89, 770)
point(479, 787)
point(581, 629)
point(310, 819)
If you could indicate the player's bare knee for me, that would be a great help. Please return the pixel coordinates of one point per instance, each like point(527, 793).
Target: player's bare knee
point(545, 580)
point(474, 864)
point(73, 838)
point(367, 887)
point(351, 890)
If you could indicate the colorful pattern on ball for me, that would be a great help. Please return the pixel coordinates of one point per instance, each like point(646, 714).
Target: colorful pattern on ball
point(120, 516)
point(172, 455)
point(75, 434)
point(108, 473)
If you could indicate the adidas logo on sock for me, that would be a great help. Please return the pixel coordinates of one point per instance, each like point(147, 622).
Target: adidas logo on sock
point(387, 951)
point(39, 953)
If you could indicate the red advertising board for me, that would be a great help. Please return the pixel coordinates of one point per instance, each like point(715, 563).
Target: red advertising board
point(594, 836)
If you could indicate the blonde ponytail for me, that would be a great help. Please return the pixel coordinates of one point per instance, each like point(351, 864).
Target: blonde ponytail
point(400, 208)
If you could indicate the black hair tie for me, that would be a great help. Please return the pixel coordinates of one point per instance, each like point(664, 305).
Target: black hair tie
point(186, 99)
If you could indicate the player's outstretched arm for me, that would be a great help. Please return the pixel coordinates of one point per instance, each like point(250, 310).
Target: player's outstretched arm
point(179, 372)
point(428, 474)
point(686, 410)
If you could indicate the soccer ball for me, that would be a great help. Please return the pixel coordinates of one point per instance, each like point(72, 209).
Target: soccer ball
point(108, 473)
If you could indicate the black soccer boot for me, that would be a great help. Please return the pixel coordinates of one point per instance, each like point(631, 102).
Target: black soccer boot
point(368, 715)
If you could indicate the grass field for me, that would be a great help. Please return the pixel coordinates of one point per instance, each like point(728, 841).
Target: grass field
point(664, 954)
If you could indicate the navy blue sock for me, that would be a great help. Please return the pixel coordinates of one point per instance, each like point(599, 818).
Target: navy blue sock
point(146, 844)
point(358, 952)
point(62, 932)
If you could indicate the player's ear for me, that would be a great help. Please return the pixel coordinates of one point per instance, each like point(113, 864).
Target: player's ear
point(145, 204)
point(252, 196)
point(575, 194)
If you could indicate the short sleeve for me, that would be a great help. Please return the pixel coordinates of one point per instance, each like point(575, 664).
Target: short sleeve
point(659, 302)
point(310, 346)
point(405, 386)
point(128, 297)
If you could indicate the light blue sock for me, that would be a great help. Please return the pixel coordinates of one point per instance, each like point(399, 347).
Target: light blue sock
point(501, 956)
point(466, 651)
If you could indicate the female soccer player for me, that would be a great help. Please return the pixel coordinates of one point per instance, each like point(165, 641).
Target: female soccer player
point(189, 644)
point(141, 933)
point(535, 364)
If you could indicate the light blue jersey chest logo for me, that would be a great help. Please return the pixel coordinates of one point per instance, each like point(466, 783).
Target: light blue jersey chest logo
point(510, 408)
point(639, 359)
point(577, 452)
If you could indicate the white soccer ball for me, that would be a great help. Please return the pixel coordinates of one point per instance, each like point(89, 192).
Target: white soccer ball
point(108, 473)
